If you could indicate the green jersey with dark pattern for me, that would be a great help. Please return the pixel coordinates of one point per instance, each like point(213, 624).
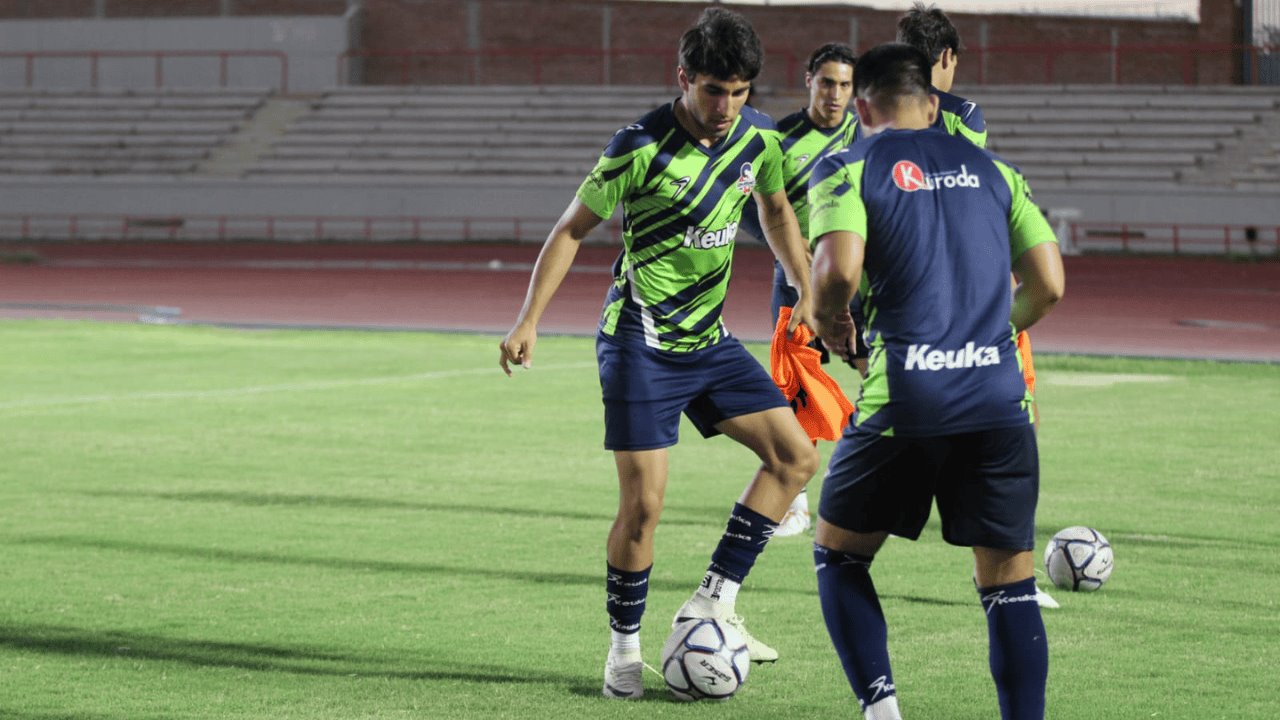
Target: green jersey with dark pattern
point(681, 203)
point(803, 145)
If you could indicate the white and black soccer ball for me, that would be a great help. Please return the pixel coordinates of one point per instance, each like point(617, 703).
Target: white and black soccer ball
point(704, 658)
point(1078, 558)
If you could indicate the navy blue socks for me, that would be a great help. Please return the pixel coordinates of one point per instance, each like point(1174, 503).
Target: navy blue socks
point(1019, 652)
point(627, 592)
point(855, 622)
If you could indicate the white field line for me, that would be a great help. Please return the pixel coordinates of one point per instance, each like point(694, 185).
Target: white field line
point(265, 389)
point(1088, 379)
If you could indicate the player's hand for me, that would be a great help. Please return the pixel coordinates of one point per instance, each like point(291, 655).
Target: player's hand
point(517, 347)
point(836, 333)
point(801, 313)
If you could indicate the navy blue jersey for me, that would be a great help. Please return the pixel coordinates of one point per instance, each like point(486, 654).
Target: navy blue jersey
point(943, 220)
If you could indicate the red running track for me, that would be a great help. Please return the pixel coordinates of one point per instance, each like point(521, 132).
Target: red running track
point(1160, 307)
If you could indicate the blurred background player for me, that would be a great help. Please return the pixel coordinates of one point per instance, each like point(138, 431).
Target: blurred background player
point(825, 126)
point(683, 174)
point(930, 31)
point(937, 226)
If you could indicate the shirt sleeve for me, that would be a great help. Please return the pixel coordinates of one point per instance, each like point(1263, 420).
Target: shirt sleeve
point(1027, 225)
point(769, 174)
point(835, 198)
point(608, 183)
point(969, 124)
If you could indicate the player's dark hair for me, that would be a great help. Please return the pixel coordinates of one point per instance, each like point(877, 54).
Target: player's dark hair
point(831, 52)
point(929, 30)
point(723, 45)
point(889, 72)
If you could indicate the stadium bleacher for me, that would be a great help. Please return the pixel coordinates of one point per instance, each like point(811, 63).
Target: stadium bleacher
point(1060, 136)
point(109, 132)
point(1085, 136)
point(451, 131)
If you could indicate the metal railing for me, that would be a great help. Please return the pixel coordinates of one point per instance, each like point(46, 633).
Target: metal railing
point(554, 65)
point(1163, 63)
point(94, 60)
point(307, 228)
point(1176, 238)
point(1116, 64)
point(1261, 241)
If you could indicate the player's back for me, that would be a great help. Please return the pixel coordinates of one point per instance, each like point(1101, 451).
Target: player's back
point(937, 263)
point(960, 116)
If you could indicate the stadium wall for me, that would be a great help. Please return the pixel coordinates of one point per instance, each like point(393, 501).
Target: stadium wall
point(468, 25)
point(309, 46)
point(197, 196)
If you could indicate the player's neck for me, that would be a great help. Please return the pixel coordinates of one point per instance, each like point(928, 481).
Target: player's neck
point(692, 126)
point(823, 122)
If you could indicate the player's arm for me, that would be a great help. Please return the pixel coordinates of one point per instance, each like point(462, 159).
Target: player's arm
point(553, 264)
point(837, 269)
point(1043, 282)
point(838, 220)
point(782, 232)
point(1033, 247)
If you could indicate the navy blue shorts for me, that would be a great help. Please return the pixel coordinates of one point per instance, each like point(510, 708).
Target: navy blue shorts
point(986, 483)
point(786, 296)
point(646, 389)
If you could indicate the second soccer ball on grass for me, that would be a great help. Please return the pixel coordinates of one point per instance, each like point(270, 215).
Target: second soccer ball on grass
point(1078, 558)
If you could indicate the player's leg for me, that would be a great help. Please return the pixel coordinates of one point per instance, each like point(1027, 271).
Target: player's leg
point(874, 486)
point(990, 506)
point(795, 520)
point(788, 460)
point(1018, 652)
point(742, 401)
point(1043, 599)
point(639, 426)
point(642, 483)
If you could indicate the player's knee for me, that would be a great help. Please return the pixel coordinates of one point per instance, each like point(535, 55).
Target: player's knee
point(796, 463)
point(639, 515)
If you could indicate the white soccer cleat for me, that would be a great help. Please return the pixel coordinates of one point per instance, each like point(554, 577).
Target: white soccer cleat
point(696, 607)
point(756, 650)
point(624, 676)
point(1045, 600)
point(795, 522)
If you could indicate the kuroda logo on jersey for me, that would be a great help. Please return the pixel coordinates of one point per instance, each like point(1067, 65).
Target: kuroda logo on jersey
point(703, 238)
point(747, 180)
point(909, 177)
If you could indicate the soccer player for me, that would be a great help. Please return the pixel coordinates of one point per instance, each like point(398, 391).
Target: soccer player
point(683, 173)
point(930, 31)
point(936, 224)
point(825, 126)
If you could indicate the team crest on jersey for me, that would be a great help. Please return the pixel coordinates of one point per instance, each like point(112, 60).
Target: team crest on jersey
point(909, 177)
point(747, 180)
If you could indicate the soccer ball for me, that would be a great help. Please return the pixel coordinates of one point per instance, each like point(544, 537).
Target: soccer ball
point(705, 658)
point(1078, 558)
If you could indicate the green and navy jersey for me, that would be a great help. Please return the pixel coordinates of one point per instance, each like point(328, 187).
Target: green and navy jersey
point(681, 203)
point(961, 117)
point(803, 145)
point(957, 116)
point(943, 222)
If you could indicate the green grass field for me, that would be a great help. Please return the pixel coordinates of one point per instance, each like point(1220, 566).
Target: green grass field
point(212, 523)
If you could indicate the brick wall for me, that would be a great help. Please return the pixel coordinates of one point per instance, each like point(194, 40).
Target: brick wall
point(460, 27)
point(789, 34)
